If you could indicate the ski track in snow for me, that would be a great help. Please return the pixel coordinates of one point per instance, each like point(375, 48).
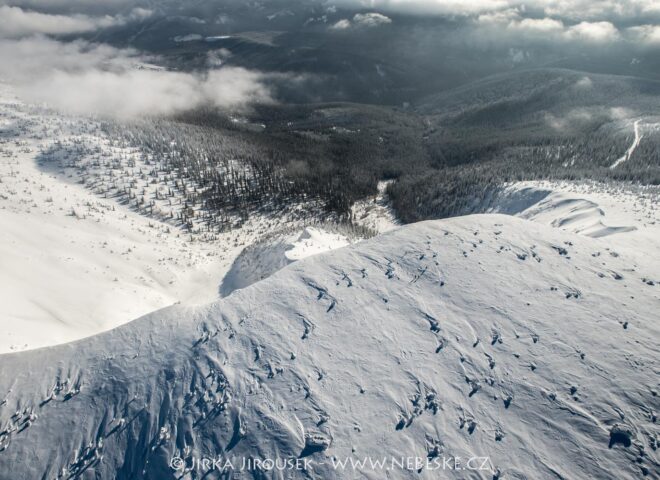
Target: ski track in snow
point(633, 147)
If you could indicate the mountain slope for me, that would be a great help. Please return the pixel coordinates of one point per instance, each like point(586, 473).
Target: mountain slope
point(520, 96)
point(482, 336)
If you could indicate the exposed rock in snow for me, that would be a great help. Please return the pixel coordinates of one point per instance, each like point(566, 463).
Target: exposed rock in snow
point(485, 336)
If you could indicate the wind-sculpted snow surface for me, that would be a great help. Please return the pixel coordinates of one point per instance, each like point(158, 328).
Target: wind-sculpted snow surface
point(263, 258)
point(485, 336)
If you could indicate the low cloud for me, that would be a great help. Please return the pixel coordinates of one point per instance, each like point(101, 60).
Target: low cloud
point(439, 7)
point(585, 83)
point(371, 19)
point(216, 58)
point(65, 7)
point(507, 23)
point(84, 78)
point(147, 92)
point(645, 34)
point(342, 24)
point(585, 115)
point(542, 21)
point(366, 20)
point(595, 32)
point(574, 10)
point(17, 22)
point(612, 10)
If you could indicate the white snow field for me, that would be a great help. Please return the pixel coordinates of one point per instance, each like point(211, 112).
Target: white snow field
point(485, 336)
point(528, 344)
point(72, 263)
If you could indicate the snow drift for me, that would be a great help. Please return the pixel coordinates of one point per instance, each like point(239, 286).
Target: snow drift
point(274, 252)
point(483, 336)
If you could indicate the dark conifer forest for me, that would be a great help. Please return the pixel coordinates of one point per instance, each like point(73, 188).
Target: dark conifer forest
point(448, 155)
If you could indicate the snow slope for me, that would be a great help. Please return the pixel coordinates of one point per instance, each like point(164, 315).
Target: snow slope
point(74, 259)
point(72, 263)
point(633, 147)
point(480, 336)
point(274, 252)
point(623, 215)
point(376, 213)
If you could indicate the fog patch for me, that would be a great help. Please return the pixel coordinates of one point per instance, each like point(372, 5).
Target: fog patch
point(578, 117)
point(85, 78)
point(362, 20)
point(17, 22)
point(584, 83)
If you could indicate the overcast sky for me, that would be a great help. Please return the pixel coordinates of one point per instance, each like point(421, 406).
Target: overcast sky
point(561, 20)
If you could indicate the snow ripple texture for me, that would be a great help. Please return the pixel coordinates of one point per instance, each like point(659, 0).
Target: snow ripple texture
point(485, 336)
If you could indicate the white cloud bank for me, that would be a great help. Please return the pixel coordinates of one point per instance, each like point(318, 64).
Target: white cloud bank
point(586, 21)
point(16, 22)
point(371, 19)
point(143, 92)
point(647, 34)
point(84, 78)
point(517, 22)
point(576, 10)
point(438, 7)
point(548, 29)
point(367, 20)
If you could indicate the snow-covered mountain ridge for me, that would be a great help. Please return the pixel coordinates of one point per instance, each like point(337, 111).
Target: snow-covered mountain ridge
point(484, 336)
